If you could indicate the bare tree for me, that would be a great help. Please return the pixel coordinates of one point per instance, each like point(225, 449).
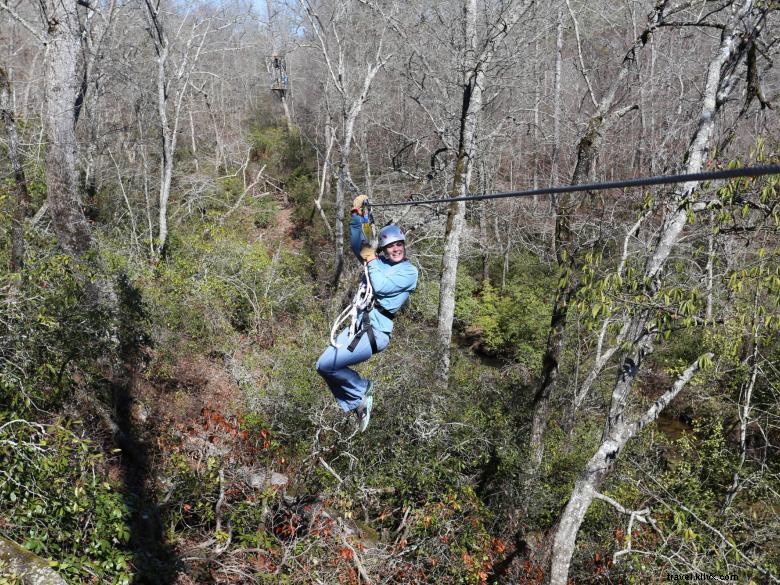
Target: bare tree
point(61, 35)
point(173, 84)
point(98, 26)
point(564, 242)
point(353, 87)
point(745, 22)
point(477, 54)
point(22, 197)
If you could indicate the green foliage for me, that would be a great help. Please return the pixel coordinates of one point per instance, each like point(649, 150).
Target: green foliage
point(512, 322)
point(36, 191)
point(424, 302)
point(447, 520)
point(302, 186)
point(269, 145)
point(290, 162)
point(248, 524)
point(266, 213)
point(294, 390)
point(193, 495)
point(281, 150)
point(440, 469)
point(215, 283)
point(700, 469)
point(436, 469)
point(53, 500)
point(564, 459)
point(684, 483)
point(51, 329)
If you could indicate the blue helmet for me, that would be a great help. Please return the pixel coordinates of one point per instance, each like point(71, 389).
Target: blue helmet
point(389, 234)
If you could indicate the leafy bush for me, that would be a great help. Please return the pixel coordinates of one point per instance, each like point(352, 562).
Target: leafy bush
point(280, 149)
point(215, 283)
point(511, 323)
point(51, 329)
point(193, 495)
point(54, 500)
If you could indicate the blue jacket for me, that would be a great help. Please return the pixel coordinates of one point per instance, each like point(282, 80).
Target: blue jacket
point(392, 282)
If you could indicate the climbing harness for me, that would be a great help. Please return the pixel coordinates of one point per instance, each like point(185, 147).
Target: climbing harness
point(758, 171)
point(362, 302)
point(359, 314)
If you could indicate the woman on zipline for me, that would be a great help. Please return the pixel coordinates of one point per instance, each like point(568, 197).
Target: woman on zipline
point(392, 277)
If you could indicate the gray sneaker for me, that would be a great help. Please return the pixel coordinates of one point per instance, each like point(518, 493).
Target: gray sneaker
point(363, 411)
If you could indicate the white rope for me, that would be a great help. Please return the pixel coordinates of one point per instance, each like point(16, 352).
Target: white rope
point(362, 301)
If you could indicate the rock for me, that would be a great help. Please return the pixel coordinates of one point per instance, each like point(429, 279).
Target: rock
point(257, 480)
point(279, 479)
point(204, 446)
point(17, 561)
point(261, 479)
point(139, 412)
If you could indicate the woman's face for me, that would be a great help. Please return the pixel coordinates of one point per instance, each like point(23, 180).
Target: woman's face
point(395, 252)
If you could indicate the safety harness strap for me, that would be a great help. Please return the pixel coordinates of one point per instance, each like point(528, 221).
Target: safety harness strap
point(365, 327)
point(368, 329)
point(383, 311)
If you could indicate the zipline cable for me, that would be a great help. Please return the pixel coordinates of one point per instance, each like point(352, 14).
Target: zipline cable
point(638, 182)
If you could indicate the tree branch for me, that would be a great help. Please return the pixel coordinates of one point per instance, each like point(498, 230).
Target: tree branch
point(638, 515)
point(660, 404)
point(583, 70)
point(726, 542)
point(15, 15)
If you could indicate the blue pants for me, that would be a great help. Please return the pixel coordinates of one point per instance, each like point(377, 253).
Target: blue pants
point(347, 385)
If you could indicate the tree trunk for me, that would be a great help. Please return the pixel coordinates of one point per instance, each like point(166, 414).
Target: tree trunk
point(62, 87)
point(535, 132)
point(172, 86)
point(22, 197)
point(474, 65)
point(617, 434)
point(330, 139)
point(743, 411)
point(168, 146)
point(556, 143)
point(473, 79)
point(95, 31)
point(344, 178)
point(338, 238)
point(483, 224)
point(351, 106)
point(710, 270)
point(564, 208)
point(580, 500)
point(287, 114)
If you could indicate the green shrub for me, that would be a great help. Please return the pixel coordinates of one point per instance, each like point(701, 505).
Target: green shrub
point(191, 507)
point(54, 501)
point(511, 323)
point(51, 328)
point(215, 283)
